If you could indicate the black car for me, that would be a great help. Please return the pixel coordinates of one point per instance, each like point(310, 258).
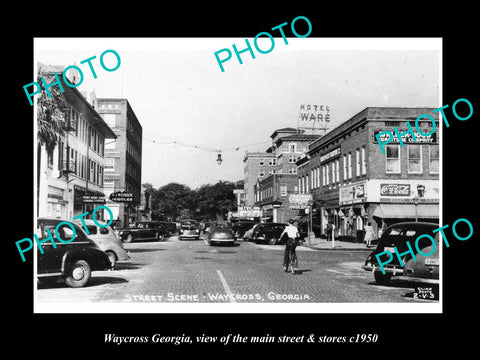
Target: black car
point(73, 260)
point(268, 233)
point(143, 230)
point(241, 227)
point(397, 235)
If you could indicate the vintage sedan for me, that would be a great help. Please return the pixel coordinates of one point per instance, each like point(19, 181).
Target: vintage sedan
point(107, 240)
point(268, 233)
point(189, 229)
point(143, 230)
point(396, 236)
point(241, 227)
point(71, 260)
point(221, 232)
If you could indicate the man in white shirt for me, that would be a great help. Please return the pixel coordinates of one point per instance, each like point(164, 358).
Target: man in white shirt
point(291, 231)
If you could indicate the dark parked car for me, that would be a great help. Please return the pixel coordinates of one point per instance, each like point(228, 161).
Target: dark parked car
point(143, 230)
point(220, 232)
point(189, 229)
point(241, 227)
point(171, 227)
point(73, 260)
point(268, 233)
point(397, 235)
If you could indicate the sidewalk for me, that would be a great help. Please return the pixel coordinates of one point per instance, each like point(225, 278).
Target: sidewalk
point(322, 244)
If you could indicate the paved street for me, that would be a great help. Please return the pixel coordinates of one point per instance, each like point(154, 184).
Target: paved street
point(194, 272)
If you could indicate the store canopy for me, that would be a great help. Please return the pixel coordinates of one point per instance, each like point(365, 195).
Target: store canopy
point(399, 211)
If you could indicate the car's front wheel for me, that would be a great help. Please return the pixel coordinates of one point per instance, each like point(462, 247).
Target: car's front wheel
point(381, 278)
point(78, 274)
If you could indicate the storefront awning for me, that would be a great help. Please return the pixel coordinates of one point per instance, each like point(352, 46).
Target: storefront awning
point(399, 211)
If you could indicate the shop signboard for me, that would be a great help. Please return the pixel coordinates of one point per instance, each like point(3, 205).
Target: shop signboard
point(352, 194)
point(403, 191)
point(121, 196)
point(93, 199)
point(406, 138)
point(300, 201)
point(249, 211)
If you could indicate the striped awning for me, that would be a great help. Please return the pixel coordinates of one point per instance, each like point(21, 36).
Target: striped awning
point(408, 211)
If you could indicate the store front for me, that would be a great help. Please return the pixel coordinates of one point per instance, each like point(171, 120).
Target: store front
point(86, 201)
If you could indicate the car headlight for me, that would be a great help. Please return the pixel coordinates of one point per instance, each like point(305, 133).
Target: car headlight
point(120, 233)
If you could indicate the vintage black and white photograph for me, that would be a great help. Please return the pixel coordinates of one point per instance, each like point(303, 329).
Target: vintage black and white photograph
point(262, 175)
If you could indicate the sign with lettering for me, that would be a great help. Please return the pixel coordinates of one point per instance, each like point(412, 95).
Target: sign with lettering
point(394, 189)
point(97, 199)
point(313, 116)
point(330, 155)
point(351, 194)
point(121, 197)
point(406, 138)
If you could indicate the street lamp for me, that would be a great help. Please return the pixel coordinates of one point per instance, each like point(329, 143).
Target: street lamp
point(219, 158)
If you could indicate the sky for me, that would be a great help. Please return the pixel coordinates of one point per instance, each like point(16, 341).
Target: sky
point(189, 109)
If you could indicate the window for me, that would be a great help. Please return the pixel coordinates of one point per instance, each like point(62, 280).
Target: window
point(434, 159)
point(306, 184)
point(364, 161)
point(344, 167)
point(349, 165)
point(292, 147)
point(272, 162)
point(292, 170)
point(392, 159)
point(292, 159)
point(283, 190)
point(337, 169)
point(357, 162)
point(109, 164)
point(414, 158)
point(262, 162)
point(324, 175)
point(262, 173)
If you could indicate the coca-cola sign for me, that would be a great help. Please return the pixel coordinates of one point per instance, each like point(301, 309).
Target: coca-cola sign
point(395, 189)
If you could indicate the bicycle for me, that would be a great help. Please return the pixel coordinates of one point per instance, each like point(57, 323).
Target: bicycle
point(292, 257)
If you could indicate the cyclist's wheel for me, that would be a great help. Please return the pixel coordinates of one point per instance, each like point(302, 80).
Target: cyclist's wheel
point(293, 262)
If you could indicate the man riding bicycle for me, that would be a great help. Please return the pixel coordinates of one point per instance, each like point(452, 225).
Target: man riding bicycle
point(290, 256)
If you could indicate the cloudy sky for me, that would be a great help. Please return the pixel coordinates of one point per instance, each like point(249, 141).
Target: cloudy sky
point(189, 108)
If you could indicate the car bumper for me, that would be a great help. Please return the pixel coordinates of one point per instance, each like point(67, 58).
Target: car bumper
point(394, 270)
point(222, 240)
point(189, 236)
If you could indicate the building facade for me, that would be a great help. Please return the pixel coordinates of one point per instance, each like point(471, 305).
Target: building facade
point(255, 165)
point(123, 158)
point(272, 193)
point(70, 178)
point(352, 182)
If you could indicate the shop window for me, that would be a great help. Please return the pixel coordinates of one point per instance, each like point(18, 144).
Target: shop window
point(392, 159)
point(434, 159)
point(414, 156)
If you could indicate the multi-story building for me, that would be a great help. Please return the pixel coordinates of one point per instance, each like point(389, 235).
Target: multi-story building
point(123, 158)
point(353, 182)
point(272, 193)
point(70, 178)
point(256, 165)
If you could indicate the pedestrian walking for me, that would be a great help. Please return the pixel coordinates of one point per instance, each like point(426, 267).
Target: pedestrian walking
point(329, 230)
point(369, 235)
point(291, 231)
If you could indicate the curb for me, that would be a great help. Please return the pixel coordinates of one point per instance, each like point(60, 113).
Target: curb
point(339, 248)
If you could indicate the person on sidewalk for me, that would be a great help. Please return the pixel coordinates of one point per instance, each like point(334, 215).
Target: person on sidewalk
point(291, 231)
point(369, 235)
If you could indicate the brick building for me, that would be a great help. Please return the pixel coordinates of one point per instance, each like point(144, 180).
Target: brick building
point(272, 192)
point(352, 182)
point(123, 157)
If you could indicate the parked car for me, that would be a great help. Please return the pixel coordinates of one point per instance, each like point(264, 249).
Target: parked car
point(189, 229)
point(72, 261)
point(221, 232)
point(143, 230)
point(107, 240)
point(427, 267)
point(397, 235)
point(248, 235)
point(240, 227)
point(171, 227)
point(268, 233)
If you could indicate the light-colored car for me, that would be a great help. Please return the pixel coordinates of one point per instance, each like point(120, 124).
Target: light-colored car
point(107, 240)
point(221, 232)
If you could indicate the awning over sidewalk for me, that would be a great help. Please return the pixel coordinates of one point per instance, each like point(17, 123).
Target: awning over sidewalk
point(399, 211)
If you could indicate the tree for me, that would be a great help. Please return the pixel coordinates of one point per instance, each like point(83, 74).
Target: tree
point(215, 201)
point(171, 201)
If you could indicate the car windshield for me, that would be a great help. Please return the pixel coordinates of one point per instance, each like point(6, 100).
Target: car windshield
point(223, 226)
